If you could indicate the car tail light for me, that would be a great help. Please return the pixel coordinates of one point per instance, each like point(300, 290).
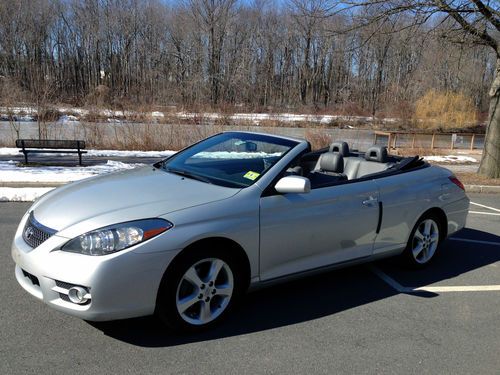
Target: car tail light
point(457, 182)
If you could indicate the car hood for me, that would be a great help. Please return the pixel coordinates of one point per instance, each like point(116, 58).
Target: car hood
point(123, 196)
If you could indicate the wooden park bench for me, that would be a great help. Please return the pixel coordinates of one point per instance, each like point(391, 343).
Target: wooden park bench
point(43, 146)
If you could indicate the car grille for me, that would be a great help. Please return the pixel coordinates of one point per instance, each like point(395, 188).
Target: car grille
point(34, 233)
point(62, 284)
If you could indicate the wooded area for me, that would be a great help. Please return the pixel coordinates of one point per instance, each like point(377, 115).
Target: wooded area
point(261, 55)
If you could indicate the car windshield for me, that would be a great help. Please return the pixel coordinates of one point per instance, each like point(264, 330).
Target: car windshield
point(230, 159)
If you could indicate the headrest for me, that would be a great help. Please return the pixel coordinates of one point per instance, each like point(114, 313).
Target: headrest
point(331, 162)
point(341, 147)
point(377, 153)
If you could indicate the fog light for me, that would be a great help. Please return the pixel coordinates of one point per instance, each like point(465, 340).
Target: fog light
point(78, 295)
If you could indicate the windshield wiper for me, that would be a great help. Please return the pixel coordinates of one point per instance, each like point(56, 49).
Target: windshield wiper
point(188, 175)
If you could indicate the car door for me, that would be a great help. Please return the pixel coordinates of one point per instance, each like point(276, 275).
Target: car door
point(328, 225)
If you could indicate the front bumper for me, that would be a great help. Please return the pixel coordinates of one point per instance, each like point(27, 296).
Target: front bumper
point(121, 285)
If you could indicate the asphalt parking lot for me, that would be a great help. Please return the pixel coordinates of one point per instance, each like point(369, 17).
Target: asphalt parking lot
point(369, 319)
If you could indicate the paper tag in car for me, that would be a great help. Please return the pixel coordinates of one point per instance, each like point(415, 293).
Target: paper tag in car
point(251, 175)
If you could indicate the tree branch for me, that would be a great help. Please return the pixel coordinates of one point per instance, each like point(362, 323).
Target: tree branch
point(487, 13)
point(483, 35)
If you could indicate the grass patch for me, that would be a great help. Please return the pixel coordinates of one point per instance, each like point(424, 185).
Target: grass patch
point(470, 178)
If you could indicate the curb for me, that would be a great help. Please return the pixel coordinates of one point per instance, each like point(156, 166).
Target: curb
point(32, 184)
point(482, 189)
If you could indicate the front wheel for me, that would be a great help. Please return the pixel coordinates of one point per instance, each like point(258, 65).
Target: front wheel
point(198, 291)
point(423, 243)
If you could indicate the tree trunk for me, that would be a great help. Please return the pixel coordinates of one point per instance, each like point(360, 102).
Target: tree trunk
point(490, 162)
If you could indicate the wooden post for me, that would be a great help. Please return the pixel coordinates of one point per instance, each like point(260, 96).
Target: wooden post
point(394, 142)
point(453, 136)
point(432, 143)
point(375, 141)
point(472, 142)
point(389, 141)
point(413, 141)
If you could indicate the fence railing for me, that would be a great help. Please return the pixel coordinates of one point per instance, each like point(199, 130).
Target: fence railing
point(449, 141)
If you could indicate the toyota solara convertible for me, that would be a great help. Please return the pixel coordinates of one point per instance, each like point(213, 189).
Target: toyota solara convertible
point(186, 237)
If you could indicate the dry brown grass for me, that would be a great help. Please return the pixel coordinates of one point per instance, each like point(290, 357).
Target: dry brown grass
point(318, 138)
point(419, 151)
point(470, 178)
point(444, 110)
point(148, 136)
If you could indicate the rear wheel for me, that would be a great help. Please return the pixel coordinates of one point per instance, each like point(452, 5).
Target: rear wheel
point(423, 243)
point(198, 291)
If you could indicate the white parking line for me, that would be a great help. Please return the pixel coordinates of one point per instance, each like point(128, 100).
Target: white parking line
point(482, 205)
point(463, 288)
point(432, 289)
point(484, 213)
point(474, 241)
point(389, 280)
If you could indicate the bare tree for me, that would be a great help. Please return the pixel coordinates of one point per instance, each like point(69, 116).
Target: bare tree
point(11, 96)
point(474, 22)
point(214, 16)
point(359, 57)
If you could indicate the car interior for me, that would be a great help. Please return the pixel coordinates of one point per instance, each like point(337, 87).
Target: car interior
point(337, 164)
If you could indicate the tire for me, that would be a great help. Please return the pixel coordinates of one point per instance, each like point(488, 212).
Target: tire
point(424, 242)
point(199, 290)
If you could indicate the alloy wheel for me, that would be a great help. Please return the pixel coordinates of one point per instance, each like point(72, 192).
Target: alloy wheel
point(204, 291)
point(425, 241)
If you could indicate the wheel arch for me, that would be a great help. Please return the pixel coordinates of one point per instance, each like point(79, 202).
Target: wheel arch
point(439, 214)
point(236, 251)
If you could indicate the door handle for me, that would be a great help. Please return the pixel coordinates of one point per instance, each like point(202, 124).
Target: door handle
point(370, 202)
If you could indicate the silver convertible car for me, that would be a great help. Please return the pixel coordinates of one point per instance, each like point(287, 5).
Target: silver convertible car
point(186, 237)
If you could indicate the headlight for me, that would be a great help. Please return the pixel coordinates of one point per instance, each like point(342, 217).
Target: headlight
point(116, 237)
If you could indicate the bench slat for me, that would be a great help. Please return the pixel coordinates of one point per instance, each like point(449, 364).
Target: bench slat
point(33, 146)
point(51, 151)
point(50, 143)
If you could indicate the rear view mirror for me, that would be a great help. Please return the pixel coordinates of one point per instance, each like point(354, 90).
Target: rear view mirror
point(293, 184)
point(246, 146)
point(250, 146)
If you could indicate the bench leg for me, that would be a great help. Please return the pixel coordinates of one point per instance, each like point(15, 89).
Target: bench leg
point(79, 158)
point(25, 157)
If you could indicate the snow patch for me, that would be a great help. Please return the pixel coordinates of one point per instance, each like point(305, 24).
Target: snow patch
point(11, 151)
point(9, 171)
point(136, 154)
point(255, 118)
point(67, 118)
point(458, 159)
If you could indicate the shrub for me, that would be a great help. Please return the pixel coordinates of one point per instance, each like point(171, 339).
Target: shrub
point(318, 138)
point(444, 110)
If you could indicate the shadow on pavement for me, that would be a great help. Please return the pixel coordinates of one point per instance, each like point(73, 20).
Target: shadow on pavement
point(455, 258)
point(280, 305)
point(314, 297)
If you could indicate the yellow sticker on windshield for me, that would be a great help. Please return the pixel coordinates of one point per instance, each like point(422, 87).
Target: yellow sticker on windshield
point(251, 175)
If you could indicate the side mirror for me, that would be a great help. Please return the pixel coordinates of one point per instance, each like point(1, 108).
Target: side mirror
point(293, 184)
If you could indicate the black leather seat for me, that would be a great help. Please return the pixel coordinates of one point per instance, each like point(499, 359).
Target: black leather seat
point(329, 169)
point(341, 147)
point(330, 163)
point(376, 161)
